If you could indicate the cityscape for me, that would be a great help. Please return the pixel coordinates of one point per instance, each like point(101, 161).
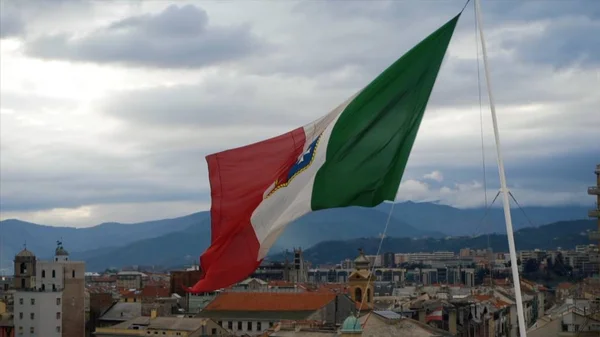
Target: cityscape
point(439, 293)
point(299, 168)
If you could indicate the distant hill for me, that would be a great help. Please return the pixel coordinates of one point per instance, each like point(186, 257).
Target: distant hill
point(565, 234)
point(174, 241)
point(42, 239)
point(182, 247)
point(454, 221)
point(185, 246)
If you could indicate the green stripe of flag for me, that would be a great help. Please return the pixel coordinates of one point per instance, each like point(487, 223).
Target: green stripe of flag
point(372, 139)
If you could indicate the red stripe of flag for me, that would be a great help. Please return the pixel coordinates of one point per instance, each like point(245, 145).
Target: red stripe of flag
point(238, 179)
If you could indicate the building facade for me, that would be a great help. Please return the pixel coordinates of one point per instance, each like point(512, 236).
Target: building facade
point(53, 302)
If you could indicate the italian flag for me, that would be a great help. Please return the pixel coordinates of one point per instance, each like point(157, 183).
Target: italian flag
point(353, 156)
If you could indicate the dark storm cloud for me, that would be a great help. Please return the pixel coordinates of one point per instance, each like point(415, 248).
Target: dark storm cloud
point(178, 37)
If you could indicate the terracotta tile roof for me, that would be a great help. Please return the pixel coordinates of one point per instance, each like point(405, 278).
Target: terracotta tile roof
point(565, 285)
point(155, 291)
point(280, 283)
point(500, 304)
point(482, 298)
point(336, 288)
point(125, 292)
point(107, 279)
point(257, 301)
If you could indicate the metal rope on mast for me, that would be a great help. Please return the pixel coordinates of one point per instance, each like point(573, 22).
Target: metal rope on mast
point(503, 186)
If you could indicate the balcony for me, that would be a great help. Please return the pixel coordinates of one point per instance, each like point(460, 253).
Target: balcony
point(594, 235)
point(594, 213)
point(594, 190)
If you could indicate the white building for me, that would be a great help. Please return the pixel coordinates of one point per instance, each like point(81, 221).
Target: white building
point(53, 305)
point(38, 313)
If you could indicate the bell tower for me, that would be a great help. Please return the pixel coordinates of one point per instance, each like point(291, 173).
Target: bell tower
point(361, 282)
point(25, 263)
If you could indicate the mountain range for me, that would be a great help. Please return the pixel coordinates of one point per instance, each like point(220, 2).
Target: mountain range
point(181, 240)
point(563, 234)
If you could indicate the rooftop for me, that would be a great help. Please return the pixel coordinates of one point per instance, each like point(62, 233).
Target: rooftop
point(164, 323)
point(122, 311)
point(254, 301)
point(25, 253)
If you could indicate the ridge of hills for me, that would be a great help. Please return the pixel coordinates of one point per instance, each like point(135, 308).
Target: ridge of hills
point(564, 234)
point(181, 240)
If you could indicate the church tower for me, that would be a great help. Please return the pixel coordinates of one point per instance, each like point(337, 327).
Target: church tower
point(361, 282)
point(25, 264)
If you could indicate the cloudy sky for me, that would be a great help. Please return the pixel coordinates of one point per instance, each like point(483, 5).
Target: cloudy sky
point(108, 108)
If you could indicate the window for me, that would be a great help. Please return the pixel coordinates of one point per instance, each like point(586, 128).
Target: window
point(53, 273)
point(20, 315)
point(270, 324)
point(43, 286)
point(73, 273)
point(58, 315)
point(57, 329)
point(32, 315)
point(43, 273)
point(249, 326)
point(258, 326)
point(32, 330)
point(58, 301)
point(33, 301)
point(53, 287)
point(213, 331)
point(230, 325)
point(239, 325)
point(358, 295)
point(20, 301)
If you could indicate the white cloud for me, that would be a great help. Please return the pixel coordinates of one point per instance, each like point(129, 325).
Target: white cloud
point(472, 194)
point(435, 175)
point(90, 215)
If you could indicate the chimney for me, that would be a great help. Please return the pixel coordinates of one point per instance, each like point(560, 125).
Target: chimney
point(452, 322)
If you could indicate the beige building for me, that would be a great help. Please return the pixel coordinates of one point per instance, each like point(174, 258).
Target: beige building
point(130, 280)
point(54, 303)
point(169, 326)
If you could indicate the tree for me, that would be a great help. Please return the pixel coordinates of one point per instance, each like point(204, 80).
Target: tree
point(531, 266)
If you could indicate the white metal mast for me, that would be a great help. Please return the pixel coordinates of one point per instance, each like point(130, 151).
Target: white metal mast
point(503, 187)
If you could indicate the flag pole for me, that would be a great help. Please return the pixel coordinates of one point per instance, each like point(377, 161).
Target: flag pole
point(503, 187)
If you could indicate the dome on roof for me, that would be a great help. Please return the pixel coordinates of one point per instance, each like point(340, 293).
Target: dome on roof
point(26, 253)
point(361, 261)
point(351, 324)
point(60, 251)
